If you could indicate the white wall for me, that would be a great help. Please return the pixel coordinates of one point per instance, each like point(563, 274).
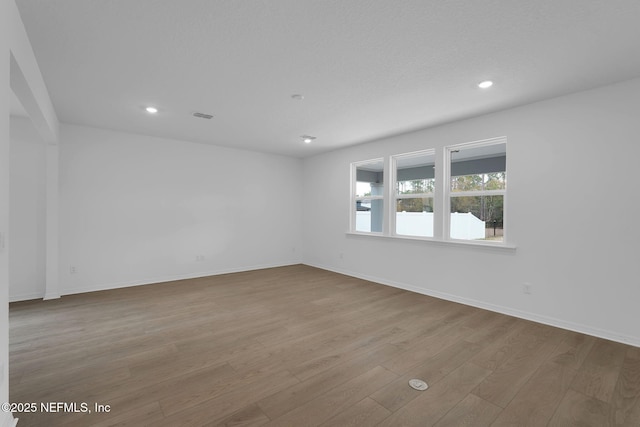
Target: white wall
point(576, 153)
point(5, 418)
point(27, 212)
point(136, 209)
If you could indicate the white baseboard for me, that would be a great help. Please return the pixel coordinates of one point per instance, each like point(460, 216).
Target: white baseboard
point(26, 297)
point(171, 278)
point(559, 323)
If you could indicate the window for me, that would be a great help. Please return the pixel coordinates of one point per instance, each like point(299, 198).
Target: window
point(367, 207)
point(454, 193)
point(476, 190)
point(414, 193)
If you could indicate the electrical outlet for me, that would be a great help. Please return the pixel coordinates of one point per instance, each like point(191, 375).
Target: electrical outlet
point(341, 255)
point(526, 288)
point(72, 269)
point(199, 258)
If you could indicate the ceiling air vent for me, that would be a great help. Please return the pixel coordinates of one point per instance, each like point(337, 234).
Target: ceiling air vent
point(202, 115)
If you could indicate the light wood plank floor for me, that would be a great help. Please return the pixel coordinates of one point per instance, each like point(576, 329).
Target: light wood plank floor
point(299, 346)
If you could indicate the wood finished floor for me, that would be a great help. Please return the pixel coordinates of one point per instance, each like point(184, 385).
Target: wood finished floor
point(299, 346)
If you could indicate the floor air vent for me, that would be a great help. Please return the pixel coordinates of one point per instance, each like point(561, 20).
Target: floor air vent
point(418, 384)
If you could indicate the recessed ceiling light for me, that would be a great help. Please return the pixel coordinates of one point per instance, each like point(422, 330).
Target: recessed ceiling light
point(151, 110)
point(307, 138)
point(297, 97)
point(485, 84)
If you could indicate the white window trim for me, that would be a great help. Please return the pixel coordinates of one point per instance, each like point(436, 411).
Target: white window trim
point(447, 193)
point(441, 199)
point(394, 197)
point(355, 198)
point(438, 242)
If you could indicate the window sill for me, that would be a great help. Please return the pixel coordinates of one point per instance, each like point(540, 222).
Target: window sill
point(501, 247)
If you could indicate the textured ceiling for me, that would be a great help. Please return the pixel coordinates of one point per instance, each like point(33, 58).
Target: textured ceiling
point(367, 68)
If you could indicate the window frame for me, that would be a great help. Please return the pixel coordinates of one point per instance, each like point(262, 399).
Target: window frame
point(355, 198)
point(394, 196)
point(448, 194)
point(441, 196)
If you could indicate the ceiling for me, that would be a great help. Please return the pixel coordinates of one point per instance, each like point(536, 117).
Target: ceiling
point(366, 68)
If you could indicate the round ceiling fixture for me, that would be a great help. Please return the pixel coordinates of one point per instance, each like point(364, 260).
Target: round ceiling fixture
point(307, 138)
point(151, 110)
point(485, 84)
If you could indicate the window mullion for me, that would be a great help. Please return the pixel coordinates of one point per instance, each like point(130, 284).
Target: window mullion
point(441, 202)
point(478, 193)
point(414, 196)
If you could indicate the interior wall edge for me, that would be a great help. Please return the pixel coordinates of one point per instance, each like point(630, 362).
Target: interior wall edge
point(27, 81)
point(7, 420)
